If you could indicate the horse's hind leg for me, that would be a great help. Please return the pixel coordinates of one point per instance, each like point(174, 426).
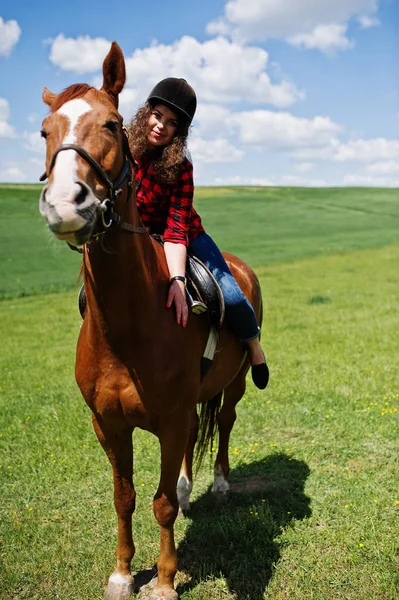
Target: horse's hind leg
point(225, 419)
point(185, 482)
point(118, 447)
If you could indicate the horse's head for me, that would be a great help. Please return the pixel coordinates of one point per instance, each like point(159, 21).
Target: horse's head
point(87, 119)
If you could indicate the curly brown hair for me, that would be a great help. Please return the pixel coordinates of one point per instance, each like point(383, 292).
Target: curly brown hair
point(167, 161)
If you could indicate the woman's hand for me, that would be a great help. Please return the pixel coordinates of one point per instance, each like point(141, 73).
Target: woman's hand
point(176, 256)
point(177, 295)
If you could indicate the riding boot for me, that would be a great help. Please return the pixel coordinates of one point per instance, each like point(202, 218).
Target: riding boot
point(260, 375)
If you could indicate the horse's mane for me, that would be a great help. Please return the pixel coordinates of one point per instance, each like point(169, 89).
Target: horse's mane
point(77, 90)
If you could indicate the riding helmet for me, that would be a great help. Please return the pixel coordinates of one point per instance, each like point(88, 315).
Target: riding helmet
point(177, 94)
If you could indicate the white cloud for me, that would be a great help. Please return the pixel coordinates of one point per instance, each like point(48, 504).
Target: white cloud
point(128, 102)
point(80, 55)
point(23, 170)
point(219, 70)
point(214, 151)
point(4, 110)
point(219, 26)
point(284, 131)
point(297, 181)
point(390, 167)
point(288, 19)
point(326, 38)
point(303, 167)
point(212, 120)
point(34, 142)
point(376, 149)
point(12, 174)
point(324, 152)
point(366, 22)
point(6, 131)
point(285, 180)
point(305, 140)
point(9, 36)
point(242, 180)
point(38, 162)
point(361, 180)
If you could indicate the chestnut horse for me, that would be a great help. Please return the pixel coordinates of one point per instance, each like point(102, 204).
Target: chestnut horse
point(135, 366)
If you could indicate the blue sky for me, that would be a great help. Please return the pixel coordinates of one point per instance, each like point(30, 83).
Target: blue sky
point(290, 92)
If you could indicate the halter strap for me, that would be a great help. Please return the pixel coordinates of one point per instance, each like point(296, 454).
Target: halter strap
point(101, 174)
point(108, 216)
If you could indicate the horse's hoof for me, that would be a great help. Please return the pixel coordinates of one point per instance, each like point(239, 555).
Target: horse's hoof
point(153, 591)
point(220, 485)
point(119, 590)
point(172, 596)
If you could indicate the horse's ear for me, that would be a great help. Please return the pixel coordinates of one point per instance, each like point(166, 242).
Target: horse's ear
point(114, 73)
point(48, 97)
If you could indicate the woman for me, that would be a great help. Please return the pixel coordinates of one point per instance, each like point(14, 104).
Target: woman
point(165, 190)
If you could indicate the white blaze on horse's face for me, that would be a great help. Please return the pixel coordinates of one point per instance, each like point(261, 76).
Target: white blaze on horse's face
point(66, 165)
point(67, 203)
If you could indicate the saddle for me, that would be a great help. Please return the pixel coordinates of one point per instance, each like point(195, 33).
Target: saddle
point(203, 291)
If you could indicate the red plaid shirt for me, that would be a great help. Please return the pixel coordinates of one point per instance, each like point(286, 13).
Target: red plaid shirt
point(167, 209)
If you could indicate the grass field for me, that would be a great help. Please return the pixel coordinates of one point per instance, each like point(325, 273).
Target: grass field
point(314, 507)
point(264, 226)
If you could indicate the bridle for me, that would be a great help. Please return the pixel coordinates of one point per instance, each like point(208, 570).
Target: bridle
point(115, 188)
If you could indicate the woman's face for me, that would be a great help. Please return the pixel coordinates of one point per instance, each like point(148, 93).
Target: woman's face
point(162, 125)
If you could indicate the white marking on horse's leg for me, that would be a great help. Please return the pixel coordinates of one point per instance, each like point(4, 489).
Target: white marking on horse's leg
point(119, 578)
point(184, 488)
point(120, 587)
point(220, 483)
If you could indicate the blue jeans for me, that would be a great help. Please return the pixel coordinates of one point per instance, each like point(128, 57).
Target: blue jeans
point(239, 313)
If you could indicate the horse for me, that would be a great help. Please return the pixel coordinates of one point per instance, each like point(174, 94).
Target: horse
point(135, 366)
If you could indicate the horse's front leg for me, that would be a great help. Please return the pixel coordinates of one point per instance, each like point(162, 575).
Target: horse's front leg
point(119, 449)
point(173, 440)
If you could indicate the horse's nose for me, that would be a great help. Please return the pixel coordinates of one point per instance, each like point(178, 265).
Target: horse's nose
point(82, 194)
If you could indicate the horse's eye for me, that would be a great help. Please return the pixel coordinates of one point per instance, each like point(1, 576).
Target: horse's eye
point(112, 126)
point(43, 133)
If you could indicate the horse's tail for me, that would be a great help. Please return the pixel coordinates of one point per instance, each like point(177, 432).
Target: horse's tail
point(207, 427)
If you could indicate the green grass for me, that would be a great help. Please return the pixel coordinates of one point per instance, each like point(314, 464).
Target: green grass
point(262, 225)
point(314, 506)
point(33, 261)
point(315, 503)
point(271, 225)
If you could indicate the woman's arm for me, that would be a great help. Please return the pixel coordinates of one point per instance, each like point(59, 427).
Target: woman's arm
point(176, 255)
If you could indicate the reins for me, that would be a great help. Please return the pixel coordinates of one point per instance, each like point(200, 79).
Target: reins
point(115, 188)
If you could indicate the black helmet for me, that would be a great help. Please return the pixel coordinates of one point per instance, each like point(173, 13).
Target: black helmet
point(177, 94)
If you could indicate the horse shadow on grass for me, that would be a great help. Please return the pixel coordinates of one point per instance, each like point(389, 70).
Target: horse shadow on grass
point(237, 538)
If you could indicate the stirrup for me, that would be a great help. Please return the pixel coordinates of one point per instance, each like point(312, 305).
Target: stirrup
point(195, 306)
point(198, 307)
